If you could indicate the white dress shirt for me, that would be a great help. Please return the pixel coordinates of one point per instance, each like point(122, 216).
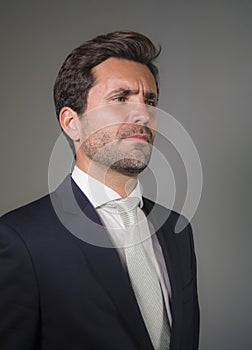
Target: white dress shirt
point(99, 194)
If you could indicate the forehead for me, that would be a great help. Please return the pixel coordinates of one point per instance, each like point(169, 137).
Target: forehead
point(124, 72)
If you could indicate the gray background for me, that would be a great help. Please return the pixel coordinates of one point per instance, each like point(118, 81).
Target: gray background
point(205, 84)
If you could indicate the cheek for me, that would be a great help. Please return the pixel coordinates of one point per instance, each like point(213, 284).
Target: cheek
point(108, 134)
point(105, 117)
point(103, 136)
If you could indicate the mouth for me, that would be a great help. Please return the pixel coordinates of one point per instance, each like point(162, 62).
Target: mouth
point(138, 138)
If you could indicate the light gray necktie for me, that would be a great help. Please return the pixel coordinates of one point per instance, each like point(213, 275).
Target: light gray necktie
point(143, 275)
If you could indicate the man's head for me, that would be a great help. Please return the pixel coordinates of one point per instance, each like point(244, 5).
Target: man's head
point(109, 70)
point(76, 77)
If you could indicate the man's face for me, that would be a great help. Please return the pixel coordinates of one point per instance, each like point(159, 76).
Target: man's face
point(118, 124)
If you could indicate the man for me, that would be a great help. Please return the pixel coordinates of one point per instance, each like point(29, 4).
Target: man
point(70, 276)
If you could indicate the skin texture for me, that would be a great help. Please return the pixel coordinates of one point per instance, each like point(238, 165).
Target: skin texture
point(113, 139)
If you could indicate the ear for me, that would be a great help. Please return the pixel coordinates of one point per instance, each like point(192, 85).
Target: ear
point(68, 119)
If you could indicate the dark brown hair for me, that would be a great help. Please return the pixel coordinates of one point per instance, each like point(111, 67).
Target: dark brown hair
point(75, 77)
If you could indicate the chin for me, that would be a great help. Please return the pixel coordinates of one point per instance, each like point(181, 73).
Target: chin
point(129, 167)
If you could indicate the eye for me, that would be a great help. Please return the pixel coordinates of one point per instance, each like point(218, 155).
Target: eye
point(152, 103)
point(119, 98)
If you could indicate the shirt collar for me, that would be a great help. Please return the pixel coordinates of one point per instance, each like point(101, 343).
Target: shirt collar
point(98, 193)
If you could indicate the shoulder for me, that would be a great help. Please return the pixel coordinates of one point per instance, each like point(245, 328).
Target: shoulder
point(44, 218)
point(29, 224)
point(36, 212)
point(29, 212)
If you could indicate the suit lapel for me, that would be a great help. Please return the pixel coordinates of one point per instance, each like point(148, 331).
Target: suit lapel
point(103, 259)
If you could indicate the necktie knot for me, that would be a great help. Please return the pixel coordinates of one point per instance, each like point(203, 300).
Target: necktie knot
point(126, 204)
point(126, 208)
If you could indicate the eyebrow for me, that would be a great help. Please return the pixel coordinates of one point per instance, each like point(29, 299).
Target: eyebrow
point(128, 92)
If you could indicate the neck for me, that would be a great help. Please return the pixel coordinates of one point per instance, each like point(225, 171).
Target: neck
point(120, 183)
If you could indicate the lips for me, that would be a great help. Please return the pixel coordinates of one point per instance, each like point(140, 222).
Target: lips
point(139, 137)
point(137, 133)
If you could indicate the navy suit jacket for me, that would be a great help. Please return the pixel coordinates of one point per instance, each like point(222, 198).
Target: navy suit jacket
point(59, 292)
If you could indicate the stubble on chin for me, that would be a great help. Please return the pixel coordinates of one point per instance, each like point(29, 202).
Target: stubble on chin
point(112, 151)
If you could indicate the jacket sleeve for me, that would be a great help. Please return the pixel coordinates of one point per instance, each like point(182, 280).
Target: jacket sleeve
point(19, 300)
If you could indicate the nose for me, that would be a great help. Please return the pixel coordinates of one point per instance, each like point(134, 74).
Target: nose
point(139, 113)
